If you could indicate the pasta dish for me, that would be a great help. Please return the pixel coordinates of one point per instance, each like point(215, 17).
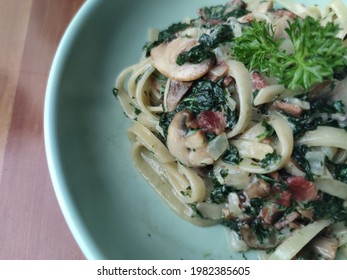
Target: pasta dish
point(240, 119)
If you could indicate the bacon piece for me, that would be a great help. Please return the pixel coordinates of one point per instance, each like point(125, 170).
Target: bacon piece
point(285, 13)
point(276, 176)
point(218, 71)
point(287, 220)
point(301, 189)
point(212, 122)
point(284, 198)
point(250, 237)
point(326, 247)
point(307, 213)
point(258, 82)
point(291, 109)
point(269, 213)
point(227, 81)
point(176, 91)
point(259, 188)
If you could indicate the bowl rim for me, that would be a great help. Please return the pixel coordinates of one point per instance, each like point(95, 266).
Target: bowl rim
point(72, 216)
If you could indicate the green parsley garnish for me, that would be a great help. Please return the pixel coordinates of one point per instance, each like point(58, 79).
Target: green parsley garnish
point(318, 53)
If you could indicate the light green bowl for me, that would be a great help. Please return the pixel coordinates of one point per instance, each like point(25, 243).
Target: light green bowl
point(112, 212)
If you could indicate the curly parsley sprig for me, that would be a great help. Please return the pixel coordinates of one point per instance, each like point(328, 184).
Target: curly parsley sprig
point(318, 53)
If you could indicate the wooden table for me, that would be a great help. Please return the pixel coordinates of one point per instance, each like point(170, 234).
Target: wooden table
point(31, 223)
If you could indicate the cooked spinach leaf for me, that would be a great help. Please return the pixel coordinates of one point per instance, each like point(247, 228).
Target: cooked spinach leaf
point(203, 51)
point(195, 55)
point(298, 155)
point(329, 207)
point(256, 204)
point(339, 171)
point(231, 155)
point(311, 119)
point(269, 160)
point(274, 183)
point(220, 192)
point(165, 36)
point(261, 233)
point(222, 12)
point(269, 131)
point(203, 96)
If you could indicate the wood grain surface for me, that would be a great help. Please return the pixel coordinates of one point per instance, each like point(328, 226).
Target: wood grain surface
point(31, 223)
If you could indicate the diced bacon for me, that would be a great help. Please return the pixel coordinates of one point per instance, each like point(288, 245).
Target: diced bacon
point(259, 188)
point(291, 109)
point(226, 214)
point(176, 91)
point(211, 122)
point(246, 18)
point(301, 189)
point(294, 225)
point(267, 140)
point(227, 81)
point(307, 213)
point(287, 220)
point(284, 198)
point(218, 71)
point(269, 213)
point(285, 13)
point(258, 82)
point(275, 175)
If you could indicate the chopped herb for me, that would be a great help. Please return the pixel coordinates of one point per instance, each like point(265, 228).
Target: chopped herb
point(298, 155)
point(231, 117)
point(269, 131)
point(187, 192)
point(318, 53)
point(196, 210)
point(220, 192)
point(339, 106)
point(223, 12)
point(195, 55)
point(224, 173)
point(165, 36)
point(256, 204)
point(115, 92)
point(210, 136)
point(339, 171)
point(137, 111)
point(275, 183)
point(261, 233)
point(232, 224)
point(203, 51)
point(231, 155)
point(329, 207)
point(138, 78)
point(204, 95)
point(270, 160)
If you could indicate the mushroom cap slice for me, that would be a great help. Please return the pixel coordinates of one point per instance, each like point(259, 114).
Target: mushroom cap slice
point(165, 55)
point(190, 150)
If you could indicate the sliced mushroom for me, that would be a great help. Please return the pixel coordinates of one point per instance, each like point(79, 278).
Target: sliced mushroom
point(291, 109)
point(191, 150)
point(259, 188)
point(270, 213)
point(251, 239)
point(165, 55)
point(175, 93)
point(218, 71)
point(282, 223)
point(326, 247)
